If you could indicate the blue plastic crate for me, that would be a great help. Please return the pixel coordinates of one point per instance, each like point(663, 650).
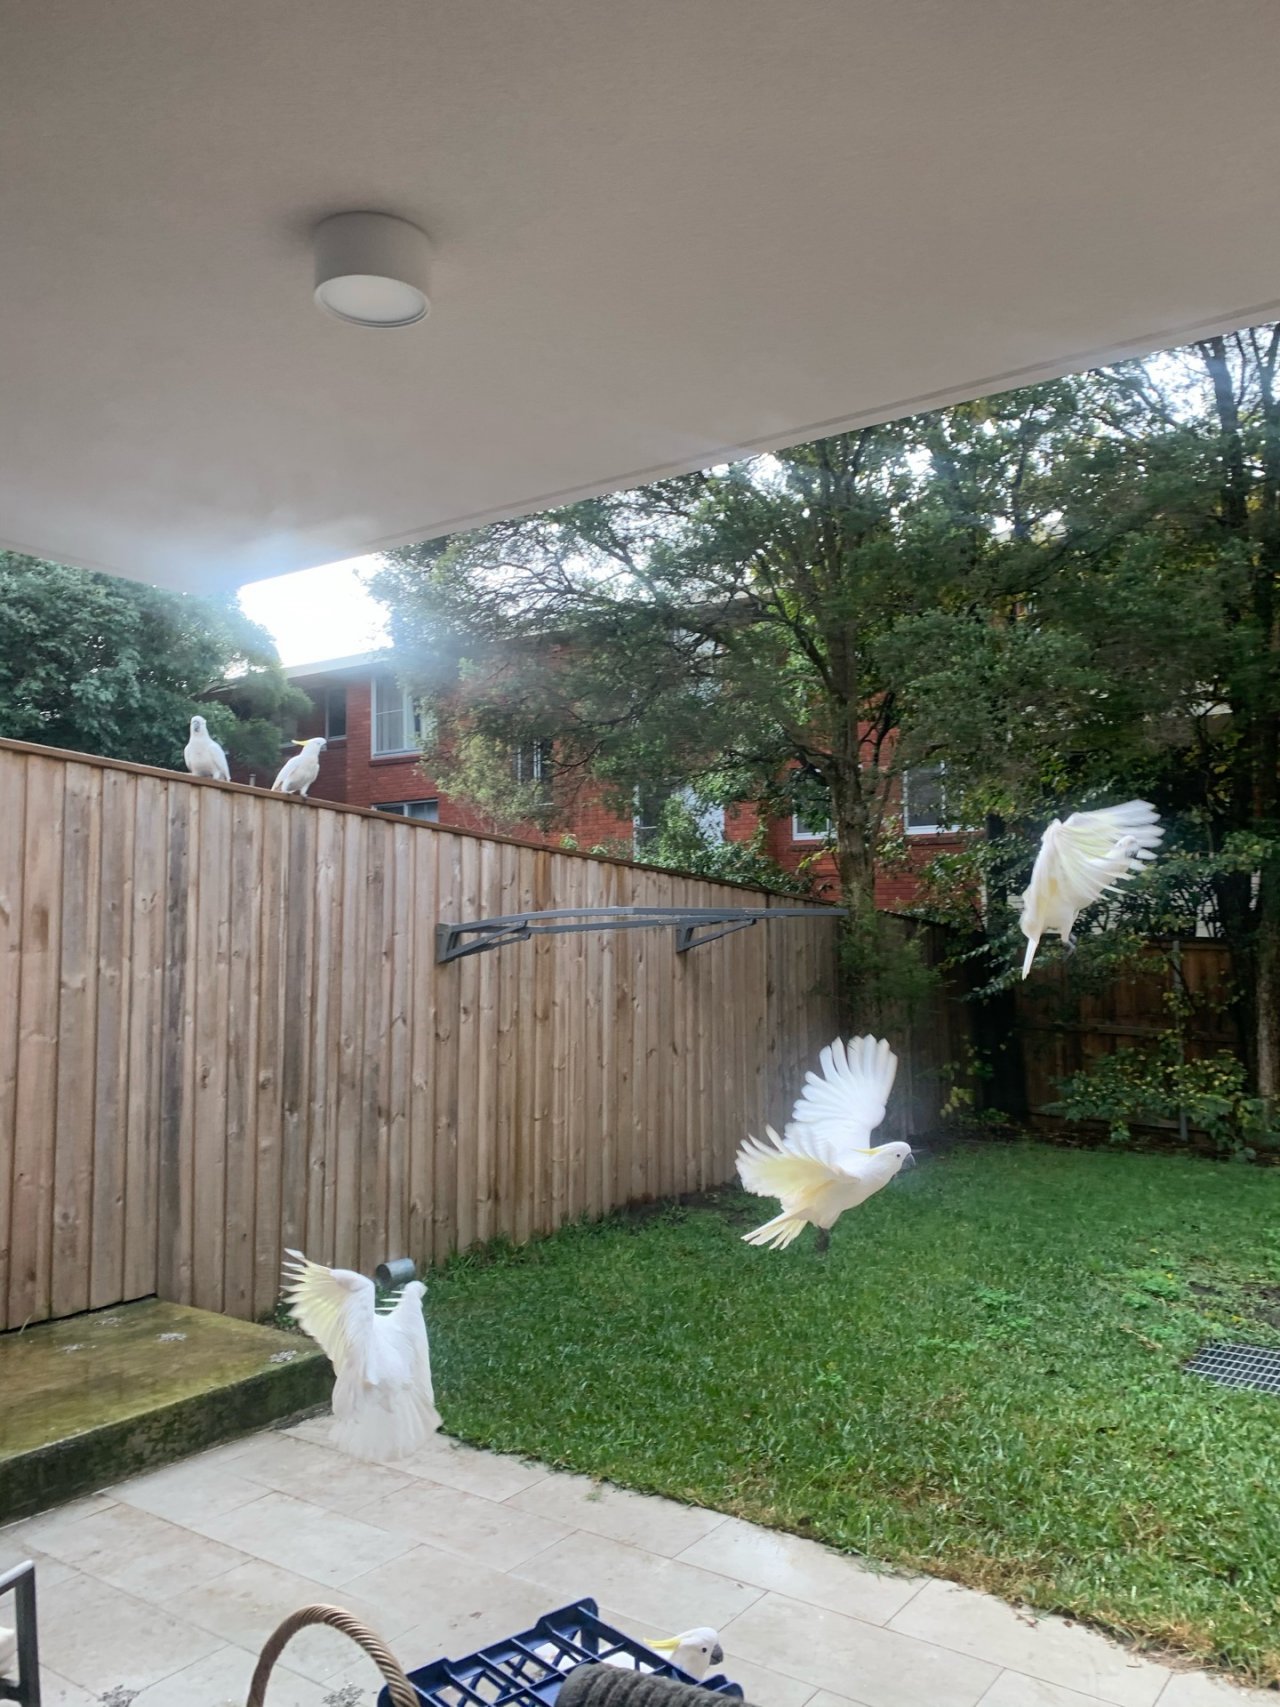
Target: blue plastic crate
point(527, 1670)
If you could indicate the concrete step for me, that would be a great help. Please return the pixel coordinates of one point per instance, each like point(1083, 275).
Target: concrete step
point(93, 1399)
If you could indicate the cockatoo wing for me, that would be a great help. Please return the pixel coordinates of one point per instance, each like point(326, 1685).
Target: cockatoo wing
point(286, 772)
point(1092, 851)
point(335, 1306)
point(848, 1102)
point(223, 769)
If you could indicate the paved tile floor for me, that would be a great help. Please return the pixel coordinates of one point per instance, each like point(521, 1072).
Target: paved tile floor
point(161, 1590)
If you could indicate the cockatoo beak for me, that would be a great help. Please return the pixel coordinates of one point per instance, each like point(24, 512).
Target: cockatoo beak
point(909, 1160)
point(717, 1655)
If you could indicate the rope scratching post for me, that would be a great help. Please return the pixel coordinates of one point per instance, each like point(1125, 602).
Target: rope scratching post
point(403, 1694)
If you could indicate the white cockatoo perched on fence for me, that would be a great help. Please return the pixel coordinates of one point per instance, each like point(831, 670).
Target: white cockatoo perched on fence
point(1079, 862)
point(825, 1164)
point(384, 1407)
point(298, 773)
point(203, 755)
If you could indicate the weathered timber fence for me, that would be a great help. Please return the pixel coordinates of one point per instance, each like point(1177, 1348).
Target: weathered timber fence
point(1064, 1028)
point(223, 1030)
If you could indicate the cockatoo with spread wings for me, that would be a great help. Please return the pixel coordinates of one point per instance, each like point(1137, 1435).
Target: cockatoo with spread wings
point(203, 755)
point(298, 773)
point(383, 1404)
point(1079, 862)
point(825, 1164)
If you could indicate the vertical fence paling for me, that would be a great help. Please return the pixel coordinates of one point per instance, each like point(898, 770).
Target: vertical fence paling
point(223, 1029)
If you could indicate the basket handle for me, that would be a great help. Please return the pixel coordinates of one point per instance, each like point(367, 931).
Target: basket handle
point(402, 1692)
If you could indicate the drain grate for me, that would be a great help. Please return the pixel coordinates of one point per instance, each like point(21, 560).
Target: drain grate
point(1255, 1366)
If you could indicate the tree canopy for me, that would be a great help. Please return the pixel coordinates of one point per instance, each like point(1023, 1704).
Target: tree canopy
point(101, 665)
point(1062, 595)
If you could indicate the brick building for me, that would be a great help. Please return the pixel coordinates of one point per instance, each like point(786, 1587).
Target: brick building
point(373, 729)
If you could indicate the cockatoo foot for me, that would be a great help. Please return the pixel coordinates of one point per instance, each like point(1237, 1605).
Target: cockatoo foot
point(822, 1243)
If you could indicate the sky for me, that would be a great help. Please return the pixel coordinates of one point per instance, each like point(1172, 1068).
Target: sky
point(319, 613)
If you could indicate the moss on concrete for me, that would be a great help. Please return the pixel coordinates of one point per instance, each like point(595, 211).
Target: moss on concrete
point(88, 1401)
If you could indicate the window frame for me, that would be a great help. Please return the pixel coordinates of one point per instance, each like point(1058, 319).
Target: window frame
point(400, 809)
point(800, 834)
point(939, 829)
point(410, 719)
point(329, 692)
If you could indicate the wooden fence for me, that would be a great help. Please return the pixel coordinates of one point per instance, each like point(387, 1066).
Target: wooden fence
point(223, 1031)
point(1064, 1028)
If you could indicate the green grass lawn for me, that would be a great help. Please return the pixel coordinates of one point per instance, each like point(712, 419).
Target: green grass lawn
point(981, 1381)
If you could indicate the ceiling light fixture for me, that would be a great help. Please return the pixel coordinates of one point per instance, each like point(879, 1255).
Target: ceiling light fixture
point(371, 269)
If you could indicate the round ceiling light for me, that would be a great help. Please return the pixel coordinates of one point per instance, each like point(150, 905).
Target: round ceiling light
point(371, 269)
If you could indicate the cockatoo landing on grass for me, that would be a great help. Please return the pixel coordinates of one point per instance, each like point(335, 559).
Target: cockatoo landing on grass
point(298, 773)
point(383, 1404)
point(1081, 860)
point(202, 754)
point(825, 1164)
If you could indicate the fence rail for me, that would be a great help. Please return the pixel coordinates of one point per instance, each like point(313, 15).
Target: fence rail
point(223, 1030)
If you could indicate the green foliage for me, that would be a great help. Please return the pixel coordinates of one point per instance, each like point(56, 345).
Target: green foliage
point(683, 844)
point(965, 1386)
point(1137, 1087)
point(101, 665)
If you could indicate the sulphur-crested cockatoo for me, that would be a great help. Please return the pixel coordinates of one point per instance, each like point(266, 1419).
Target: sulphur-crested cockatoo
point(825, 1163)
point(1079, 862)
point(298, 773)
point(203, 755)
point(694, 1651)
point(383, 1404)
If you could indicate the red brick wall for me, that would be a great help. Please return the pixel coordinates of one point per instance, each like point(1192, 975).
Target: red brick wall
point(350, 773)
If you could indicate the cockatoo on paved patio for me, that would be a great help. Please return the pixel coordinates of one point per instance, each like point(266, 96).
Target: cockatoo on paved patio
point(383, 1404)
point(298, 773)
point(825, 1165)
point(1079, 862)
point(694, 1651)
point(203, 755)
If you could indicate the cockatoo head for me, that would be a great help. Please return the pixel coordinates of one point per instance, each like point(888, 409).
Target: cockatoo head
point(199, 726)
point(316, 744)
point(898, 1153)
point(694, 1651)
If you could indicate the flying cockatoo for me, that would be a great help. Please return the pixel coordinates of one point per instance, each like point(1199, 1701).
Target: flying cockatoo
point(825, 1164)
point(203, 755)
point(298, 773)
point(694, 1651)
point(1079, 862)
point(383, 1404)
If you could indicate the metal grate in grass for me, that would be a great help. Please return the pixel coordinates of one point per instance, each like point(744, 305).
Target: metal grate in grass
point(1254, 1366)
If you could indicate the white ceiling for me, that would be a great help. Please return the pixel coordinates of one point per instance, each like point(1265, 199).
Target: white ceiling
point(665, 231)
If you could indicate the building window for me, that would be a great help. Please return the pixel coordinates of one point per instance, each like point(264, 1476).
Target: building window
point(397, 719)
point(810, 827)
point(651, 807)
point(924, 801)
point(531, 765)
point(425, 811)
point(335, 714)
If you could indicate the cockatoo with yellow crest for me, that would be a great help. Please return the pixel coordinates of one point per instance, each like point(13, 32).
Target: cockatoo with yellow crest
point(1081, 860)
point(298, 773)
point(694, 1651)
point(826, 1164)
point(383, 1404)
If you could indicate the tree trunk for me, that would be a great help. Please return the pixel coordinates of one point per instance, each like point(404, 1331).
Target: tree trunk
point(1267, 981)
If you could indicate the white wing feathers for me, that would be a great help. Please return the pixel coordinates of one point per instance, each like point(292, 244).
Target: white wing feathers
point(1092, 851)
point(383, 1401)
point(849, 1101)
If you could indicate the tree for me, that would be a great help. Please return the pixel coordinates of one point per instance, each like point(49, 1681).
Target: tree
point(101, 665)
point(722, 631)
point(1121, 638)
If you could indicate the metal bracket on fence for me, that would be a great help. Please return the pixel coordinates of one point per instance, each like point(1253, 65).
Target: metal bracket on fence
point(21, 1582)
point(692, 925)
